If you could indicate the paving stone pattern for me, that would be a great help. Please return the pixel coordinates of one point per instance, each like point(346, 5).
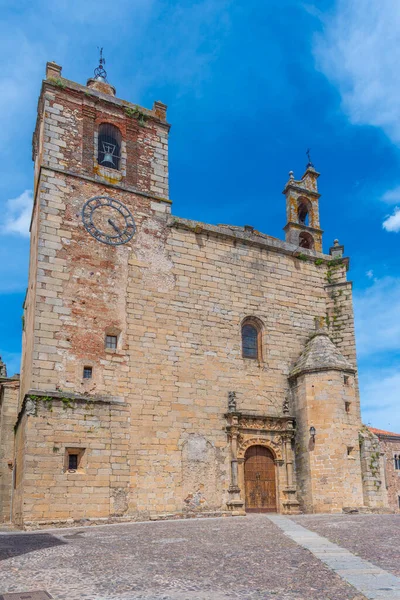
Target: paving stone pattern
point(213, 559)
point(373, 537)
point(375, 583)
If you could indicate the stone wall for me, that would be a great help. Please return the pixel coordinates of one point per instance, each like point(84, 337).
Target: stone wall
point(9, 388)
point(390, 446)
point(99, 432)
point(373, 470)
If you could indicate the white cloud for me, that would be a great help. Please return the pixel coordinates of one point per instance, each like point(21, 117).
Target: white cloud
point(377, 310)
point(370, 274)
point(18, 214)
point(359, 52)
point(392, 223)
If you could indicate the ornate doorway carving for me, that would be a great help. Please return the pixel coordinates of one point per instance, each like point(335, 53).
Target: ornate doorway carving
point(260, 480)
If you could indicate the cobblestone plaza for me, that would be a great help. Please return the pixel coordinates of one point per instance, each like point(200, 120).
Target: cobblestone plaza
point(209, 559)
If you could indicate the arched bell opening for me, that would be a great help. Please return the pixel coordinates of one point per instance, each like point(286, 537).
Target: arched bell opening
point(306, 240)
point(303, 212)
point(260, 480)
point(109, 146)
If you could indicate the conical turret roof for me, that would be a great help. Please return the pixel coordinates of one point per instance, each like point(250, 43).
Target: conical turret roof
point(321, 354)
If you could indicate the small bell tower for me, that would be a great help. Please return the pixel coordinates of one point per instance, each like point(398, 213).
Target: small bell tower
point(302, 210)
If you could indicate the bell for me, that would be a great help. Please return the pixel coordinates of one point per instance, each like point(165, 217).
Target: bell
point(108, 159)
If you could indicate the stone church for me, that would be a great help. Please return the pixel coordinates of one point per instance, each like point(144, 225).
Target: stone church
point(172, 367)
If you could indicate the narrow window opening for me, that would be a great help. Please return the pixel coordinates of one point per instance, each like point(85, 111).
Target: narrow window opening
point(350, 450)
point(73, 459)
point(347, 406)
point(111, 341)
point(346, 380)
point(72, 462)
point(109, 146)
point(398, 499)
point(397, 462)
point(249, 341)
point(87, 372)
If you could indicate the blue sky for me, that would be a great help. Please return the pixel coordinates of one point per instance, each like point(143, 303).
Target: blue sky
point(249, 86)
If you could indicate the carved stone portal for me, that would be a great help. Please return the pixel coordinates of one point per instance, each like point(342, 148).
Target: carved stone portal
point(274, 433)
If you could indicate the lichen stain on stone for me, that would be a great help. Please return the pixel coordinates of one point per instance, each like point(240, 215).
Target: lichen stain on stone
point(100, 172)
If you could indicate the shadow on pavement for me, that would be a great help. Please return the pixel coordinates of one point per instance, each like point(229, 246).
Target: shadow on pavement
point(14, 545)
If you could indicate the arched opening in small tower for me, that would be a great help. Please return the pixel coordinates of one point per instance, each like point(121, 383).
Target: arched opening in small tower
point(109, 146)
point(303, 213)
point(306, 240)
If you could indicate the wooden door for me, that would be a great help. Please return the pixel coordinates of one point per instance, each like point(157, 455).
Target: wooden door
point(259, 475)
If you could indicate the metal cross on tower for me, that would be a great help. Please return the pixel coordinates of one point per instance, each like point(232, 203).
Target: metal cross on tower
point(309, 164)
point(100, 73)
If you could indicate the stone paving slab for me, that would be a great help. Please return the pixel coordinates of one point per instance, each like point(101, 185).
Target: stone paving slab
point(375, 538)
point(373, 582)
point(215, 559)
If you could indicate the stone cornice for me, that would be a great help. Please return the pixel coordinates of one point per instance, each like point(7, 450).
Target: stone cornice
point(34, 396)
point(292, 224)
point(240, 421)
point(301, 190)
point(97, 96)
point(254, 238)
point(352, 371)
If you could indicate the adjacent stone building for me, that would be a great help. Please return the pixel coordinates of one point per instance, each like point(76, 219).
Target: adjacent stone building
point(171, 366)
point(389, 462)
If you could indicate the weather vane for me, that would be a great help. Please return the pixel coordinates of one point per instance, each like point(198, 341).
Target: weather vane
point(100, 72)
point(309, 158)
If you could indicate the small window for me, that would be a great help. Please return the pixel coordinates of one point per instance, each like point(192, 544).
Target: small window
point(111, 341)
point(251, 340)
point(74, 459)
point(346, 380)
point(350, 450)
point(87, 372)
point(72, 462)
point(396, 459)
point(347, 406)
point(109, 146)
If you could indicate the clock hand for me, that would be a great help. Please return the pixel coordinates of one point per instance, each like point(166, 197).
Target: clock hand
point(117, 229)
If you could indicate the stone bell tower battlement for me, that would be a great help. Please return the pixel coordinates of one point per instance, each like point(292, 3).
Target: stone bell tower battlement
point(302, 210)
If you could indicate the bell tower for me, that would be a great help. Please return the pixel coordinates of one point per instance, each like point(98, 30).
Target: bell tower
point(302, 210)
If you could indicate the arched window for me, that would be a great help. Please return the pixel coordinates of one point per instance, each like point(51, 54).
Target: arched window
point(109, 146)
point(306, 240)
point(251, 339)
point(302, 213)
point(397, 462)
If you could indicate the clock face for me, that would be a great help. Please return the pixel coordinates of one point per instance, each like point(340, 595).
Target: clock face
point(108, 220)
